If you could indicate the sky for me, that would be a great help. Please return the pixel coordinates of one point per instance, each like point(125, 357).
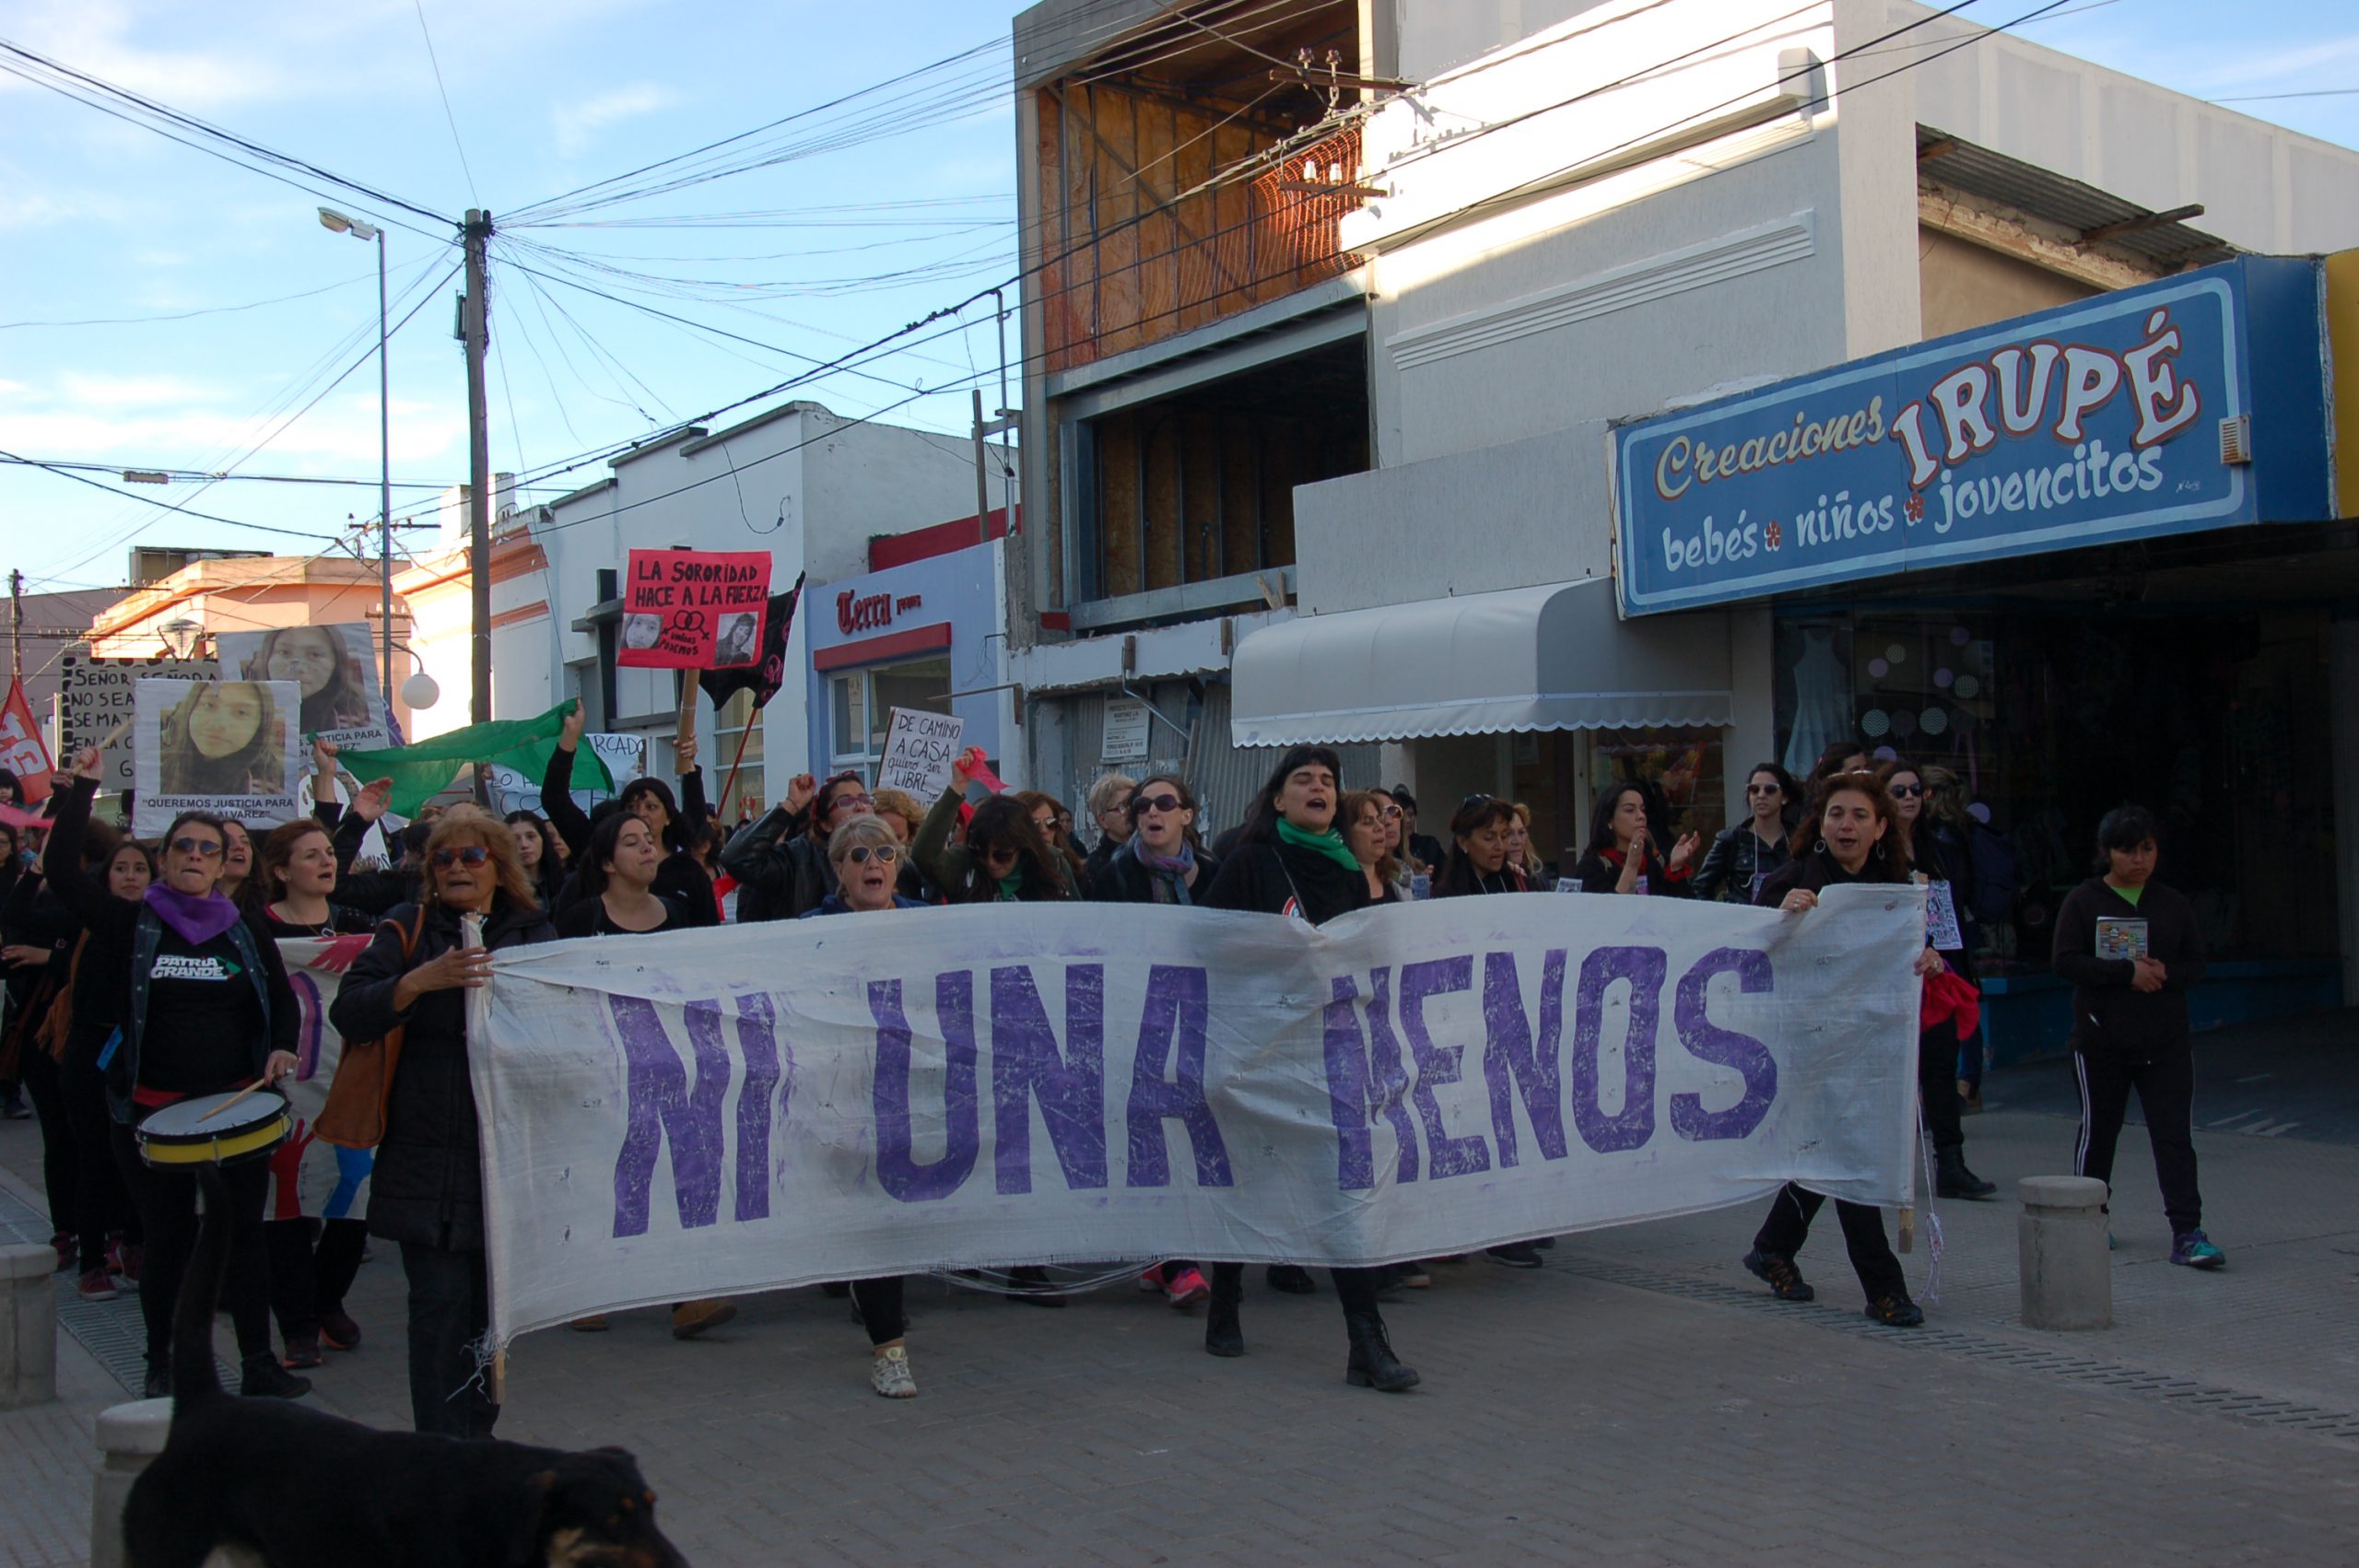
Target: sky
point(163, 310)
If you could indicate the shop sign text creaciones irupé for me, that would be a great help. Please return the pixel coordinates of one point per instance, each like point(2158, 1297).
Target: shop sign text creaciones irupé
point(2092, 421)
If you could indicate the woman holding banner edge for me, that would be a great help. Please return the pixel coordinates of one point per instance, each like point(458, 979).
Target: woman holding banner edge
point(1290, 860)
point(1854, 836)
point(866, 855)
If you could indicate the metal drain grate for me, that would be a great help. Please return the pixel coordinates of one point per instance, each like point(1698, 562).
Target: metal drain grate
point(112, 1331)
point(2186, 1392)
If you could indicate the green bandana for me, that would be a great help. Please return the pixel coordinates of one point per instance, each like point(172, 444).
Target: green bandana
point(1329, 844)
point(1010, 887)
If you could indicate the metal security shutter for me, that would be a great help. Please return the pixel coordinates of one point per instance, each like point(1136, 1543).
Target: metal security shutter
point(1225, 776)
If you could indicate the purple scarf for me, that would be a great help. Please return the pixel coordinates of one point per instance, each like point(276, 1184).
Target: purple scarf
point(198, 921)
point(1171, 870)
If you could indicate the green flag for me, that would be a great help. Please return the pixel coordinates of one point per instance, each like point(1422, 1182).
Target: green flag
point(423, 771)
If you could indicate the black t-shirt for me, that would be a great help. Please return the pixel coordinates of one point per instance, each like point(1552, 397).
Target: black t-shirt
point(203, 1018)
point(588, 916)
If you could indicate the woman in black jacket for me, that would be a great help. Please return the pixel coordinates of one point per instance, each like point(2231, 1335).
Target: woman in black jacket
point(780, 859)
point(673, 820)
point(1742, 857)
point(1290, 860)
point(2132, 951)
point(1948, 875)
point(1480, 857)
point(427, 1189)
point(1162, 861)
point(1621, 856)
point(1853, 838)
point(207, 1009)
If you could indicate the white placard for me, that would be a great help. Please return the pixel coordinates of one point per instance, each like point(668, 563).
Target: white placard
point(918, 749)
point(1126, 737)
point(715, 1112)
point(309, 1176)
point(230, 747)
point(334, 668)
point(96, 702)
point(1940, 918)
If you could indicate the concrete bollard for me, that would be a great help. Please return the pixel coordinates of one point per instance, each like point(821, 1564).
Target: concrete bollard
point(28, 1325)
point(129, 1436)
point(2066, 1275)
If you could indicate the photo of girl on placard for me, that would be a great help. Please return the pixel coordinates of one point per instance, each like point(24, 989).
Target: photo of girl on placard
point(223, 738)
point(332, 676)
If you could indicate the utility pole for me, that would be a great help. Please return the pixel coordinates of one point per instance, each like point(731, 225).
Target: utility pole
point(385, 491)
point(983, 485)
point(479, 330)
point(15, 630)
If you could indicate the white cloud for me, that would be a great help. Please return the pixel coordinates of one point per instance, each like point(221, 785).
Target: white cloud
point(576, 125)
point(135, 392)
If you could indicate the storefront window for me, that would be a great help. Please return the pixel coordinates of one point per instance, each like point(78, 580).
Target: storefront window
point(1685, 765)
point(737, 725)
point(860, 704)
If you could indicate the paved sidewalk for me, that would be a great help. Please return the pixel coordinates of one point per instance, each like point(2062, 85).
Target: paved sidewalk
point(1637, 1401)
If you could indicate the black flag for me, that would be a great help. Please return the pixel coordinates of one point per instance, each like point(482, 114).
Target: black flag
point(764, 677)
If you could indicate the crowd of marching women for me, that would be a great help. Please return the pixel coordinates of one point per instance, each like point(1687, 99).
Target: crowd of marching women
point(141, 974)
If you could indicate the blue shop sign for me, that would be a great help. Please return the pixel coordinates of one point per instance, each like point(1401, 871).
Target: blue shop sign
point(2195, 403)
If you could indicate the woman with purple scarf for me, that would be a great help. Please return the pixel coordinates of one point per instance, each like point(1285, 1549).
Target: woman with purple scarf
point(208, 1009)
point(1163, 861)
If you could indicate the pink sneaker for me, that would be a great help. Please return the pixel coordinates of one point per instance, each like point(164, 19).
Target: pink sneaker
point(1152, 1279)
point(96, 1284)
point(1187, 1285)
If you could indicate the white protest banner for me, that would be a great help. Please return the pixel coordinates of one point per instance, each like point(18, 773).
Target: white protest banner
point(96, 704)
point(715, 1112)
point(334, 667)
point(918, 749)
point(224, 746)
point(310, 1177)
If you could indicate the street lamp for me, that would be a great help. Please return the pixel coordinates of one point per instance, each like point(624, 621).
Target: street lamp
point(181, 637)
point(337, 223)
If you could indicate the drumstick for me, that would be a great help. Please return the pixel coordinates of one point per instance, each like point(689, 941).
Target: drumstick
point(231, 1101)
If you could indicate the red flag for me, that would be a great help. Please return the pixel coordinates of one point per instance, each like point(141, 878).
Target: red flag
point(22, 751)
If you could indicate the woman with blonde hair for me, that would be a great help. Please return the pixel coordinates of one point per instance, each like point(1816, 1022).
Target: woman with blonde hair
point(427, 1189)
point(867, 854)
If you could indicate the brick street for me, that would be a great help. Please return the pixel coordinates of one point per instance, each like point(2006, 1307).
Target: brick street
point(1638, 1400)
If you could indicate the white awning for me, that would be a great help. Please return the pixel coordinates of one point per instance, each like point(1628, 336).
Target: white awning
point(1554, 657)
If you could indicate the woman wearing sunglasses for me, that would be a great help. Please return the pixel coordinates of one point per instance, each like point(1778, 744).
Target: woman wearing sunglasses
point(1947, 868)
point(1162, 861)
point(1004, 859)
point(208, 1009)
point(1742, 857)
point(427, 1189)
point(867, 855)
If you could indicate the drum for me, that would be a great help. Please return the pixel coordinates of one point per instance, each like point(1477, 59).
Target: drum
point(197, 1131)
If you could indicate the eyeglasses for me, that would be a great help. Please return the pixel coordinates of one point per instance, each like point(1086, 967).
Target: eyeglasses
point(868, 801)
point(861, 854)
point(1476, 799)
point(1763, 790)
point(202, 848)
point(1908, 789)
point(1390, 814)
point(471, 856)
point(1158, 803)
point(1000, 851)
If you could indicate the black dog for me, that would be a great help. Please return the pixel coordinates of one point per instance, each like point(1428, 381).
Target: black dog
point(296, 1487)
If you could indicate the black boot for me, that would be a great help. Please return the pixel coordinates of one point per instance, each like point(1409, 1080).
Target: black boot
point(1952, 1179)
point(265, 1379)
point(1373, 1364)
point(1224, 1335)
point(159, 1381)
point(1293, 1278)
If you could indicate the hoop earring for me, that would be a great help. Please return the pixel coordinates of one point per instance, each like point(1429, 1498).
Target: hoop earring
point(1820, 846)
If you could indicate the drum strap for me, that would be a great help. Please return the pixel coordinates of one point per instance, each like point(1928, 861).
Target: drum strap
point(147, 940)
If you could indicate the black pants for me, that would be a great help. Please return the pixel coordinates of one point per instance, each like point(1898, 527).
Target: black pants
point(38, 1071)
point(167, 1200)
point(880, 1308)
point(1937, 1086)
point(450, 1308)
point(311, 1265)
point(2166, 1092)
point(1788, 1227)
point(1356, 1288)
point(102, 1201)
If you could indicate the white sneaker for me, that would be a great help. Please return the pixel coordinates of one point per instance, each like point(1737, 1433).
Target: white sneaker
point(889, 1374)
